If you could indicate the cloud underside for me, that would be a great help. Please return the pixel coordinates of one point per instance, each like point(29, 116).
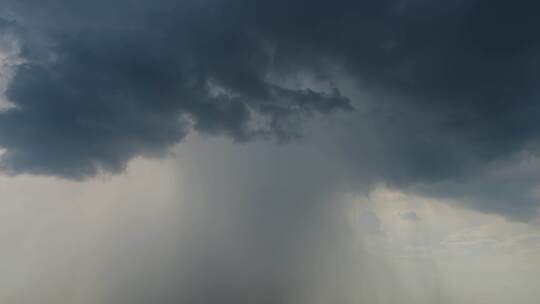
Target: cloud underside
point(453, 85)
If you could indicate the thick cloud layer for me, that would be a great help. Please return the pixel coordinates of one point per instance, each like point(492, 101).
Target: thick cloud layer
point(102, 84)
point(452, 85)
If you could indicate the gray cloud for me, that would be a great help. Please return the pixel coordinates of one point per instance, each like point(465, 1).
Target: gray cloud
point(452, 86)
point(444, 97)
point(90, 97)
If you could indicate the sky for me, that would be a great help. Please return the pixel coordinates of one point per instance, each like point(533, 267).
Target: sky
point(291, 152)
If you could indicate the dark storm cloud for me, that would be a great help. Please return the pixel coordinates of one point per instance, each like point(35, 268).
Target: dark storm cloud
point(104, 83)
point(453, 84)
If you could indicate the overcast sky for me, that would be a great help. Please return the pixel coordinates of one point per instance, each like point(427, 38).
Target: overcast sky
point(291, 152)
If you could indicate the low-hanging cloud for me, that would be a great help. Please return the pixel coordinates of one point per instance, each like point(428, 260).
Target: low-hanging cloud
point(452, 85)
